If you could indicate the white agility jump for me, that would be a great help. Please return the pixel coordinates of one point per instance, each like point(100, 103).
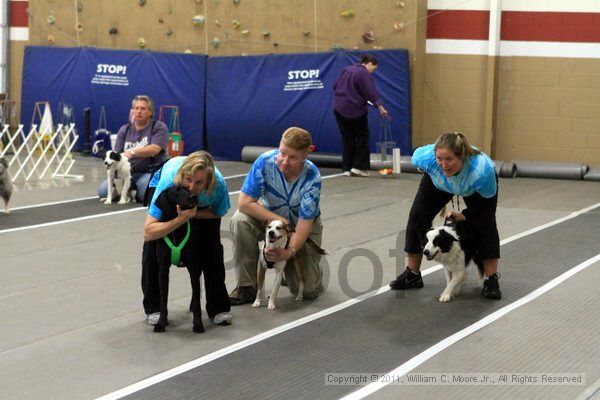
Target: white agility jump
point(41, 155)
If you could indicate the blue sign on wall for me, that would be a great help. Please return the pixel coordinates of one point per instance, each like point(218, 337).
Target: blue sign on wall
point(250, 101)
point(87, 77)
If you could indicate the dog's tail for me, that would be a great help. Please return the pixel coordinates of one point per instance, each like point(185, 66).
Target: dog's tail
point(315, 246)
point(479, 264)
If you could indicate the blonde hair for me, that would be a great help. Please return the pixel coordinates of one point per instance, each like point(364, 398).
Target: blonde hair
point(457, 143)
point(147, 99)
point(297, 139)
point(198, 161)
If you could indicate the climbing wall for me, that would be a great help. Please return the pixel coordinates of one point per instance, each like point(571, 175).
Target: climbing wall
point(223, 27)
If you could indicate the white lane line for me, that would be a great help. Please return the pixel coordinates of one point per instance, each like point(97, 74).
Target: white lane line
point(89, 198)
point(54, 203)
point(101, 215)
point(294, 324)
point(66, 221)
point(450, 340)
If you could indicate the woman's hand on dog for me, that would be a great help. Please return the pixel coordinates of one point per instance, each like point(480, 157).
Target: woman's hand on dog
point(276, 255)
point(186, 214)
point(457, 215)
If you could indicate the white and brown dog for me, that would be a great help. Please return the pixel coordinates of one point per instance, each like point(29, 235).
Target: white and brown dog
point(278, 235)
point(118, 174)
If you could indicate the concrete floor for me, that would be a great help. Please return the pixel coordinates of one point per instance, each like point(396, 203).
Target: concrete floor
point(73, 326)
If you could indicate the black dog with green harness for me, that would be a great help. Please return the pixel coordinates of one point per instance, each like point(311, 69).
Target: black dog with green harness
point(176, 249)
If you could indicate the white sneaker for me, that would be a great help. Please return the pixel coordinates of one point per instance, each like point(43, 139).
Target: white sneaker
point(359, 172)
point(347, 173)
point(223, 318)
point(152, 319)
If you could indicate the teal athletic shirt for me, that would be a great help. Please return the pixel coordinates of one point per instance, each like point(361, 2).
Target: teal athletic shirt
point(477, 175)
point(217, 201)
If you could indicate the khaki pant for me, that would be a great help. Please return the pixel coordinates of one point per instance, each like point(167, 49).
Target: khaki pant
point(247, 232)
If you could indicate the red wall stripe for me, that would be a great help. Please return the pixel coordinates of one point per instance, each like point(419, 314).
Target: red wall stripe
point(550, 26)
point(516, 25)
point(458, 24)
point(18, 14)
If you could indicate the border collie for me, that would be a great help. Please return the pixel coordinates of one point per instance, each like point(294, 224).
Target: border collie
point(118, 175)
point(452, 246)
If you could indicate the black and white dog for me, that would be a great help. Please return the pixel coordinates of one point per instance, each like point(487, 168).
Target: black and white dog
point(452, 246)
point(118, 175)
point(179, 251)
point(5, 184)
point(277, 235)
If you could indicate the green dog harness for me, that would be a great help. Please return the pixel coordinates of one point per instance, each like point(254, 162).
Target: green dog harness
point(176, 250)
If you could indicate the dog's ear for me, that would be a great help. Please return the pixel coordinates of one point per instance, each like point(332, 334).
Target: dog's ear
point(115, 156)
point(450, 221)
point(448, 236)
point(290, 228)
point(3, 162)
point(166, 202)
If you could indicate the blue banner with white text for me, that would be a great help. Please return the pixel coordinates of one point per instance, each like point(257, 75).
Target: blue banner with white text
point(86, 77)
point(251, 100)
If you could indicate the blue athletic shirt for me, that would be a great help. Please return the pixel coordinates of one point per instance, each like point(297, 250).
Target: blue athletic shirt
point(293, 201)
point(218, 201)
point(477, 175)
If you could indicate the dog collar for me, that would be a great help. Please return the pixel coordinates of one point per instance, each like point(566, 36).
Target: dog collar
point(271, 264)
point(176, 250)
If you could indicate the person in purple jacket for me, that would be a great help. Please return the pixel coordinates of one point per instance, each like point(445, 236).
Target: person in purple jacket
point(353, 89)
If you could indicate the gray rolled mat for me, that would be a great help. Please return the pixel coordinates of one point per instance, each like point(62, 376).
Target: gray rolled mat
point(509, 170)
point(251, 153)
point(327, 160)
point(498, 164)
point(331, 160)
point(593, 174)
point(542, 169)
point(505, 169)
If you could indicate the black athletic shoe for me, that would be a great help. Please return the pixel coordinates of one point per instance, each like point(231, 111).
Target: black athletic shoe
point(242, 295)
point(407, 280)
point(491, 288)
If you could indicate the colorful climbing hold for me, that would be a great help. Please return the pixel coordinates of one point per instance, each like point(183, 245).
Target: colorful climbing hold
point(141, 42)
point(198, 20)
point(398, 26)
point(348, 13)
point(368, 36)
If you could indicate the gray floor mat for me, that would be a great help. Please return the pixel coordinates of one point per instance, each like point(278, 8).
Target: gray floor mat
point(380, 333)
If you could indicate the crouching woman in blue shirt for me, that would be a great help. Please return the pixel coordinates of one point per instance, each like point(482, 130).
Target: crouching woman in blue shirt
point(197, 173)
point(451, 167)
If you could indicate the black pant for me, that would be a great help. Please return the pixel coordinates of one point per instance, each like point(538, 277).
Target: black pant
point(207, 234)
point(355, 142)
point(480, 214)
